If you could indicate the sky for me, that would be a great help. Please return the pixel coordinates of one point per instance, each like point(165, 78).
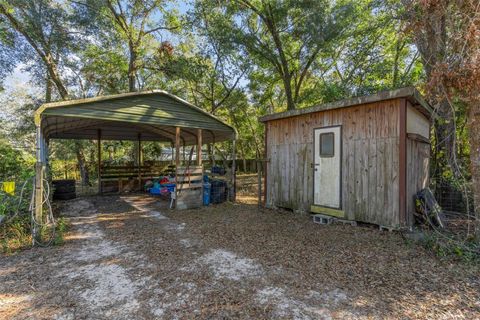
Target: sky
point(18, 77)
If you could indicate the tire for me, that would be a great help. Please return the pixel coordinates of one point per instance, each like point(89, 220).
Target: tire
point(64, 196)
point(64, 186)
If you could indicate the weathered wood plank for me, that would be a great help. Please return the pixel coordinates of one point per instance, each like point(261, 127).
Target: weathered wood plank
point(380, 185)
point(372, 180)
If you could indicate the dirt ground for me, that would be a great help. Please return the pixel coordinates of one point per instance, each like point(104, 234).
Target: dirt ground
point(128, 257)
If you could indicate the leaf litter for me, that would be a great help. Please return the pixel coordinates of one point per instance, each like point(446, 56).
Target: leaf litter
point(130, 257)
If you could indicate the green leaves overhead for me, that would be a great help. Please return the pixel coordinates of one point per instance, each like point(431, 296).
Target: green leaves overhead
point(238, 59)
point(282, 38)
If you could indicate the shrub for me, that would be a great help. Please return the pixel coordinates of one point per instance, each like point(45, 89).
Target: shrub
point(449, 247)
point(15, 234)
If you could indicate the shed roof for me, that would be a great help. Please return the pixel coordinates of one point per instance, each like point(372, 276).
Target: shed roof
point(151, 114)
point(409, 93)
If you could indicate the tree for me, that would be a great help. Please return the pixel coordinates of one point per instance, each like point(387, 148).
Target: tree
point(447, 34)
point(432, 40)
point(134, 25)
point(283, 37)
point(214, 72)
point(374, 55)
point(44, 25)
point(46, 28)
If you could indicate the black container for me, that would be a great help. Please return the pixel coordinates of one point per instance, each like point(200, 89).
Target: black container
point(218, 193)
point(64, 189)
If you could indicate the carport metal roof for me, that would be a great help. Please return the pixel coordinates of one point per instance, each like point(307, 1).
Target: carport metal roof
point(153, 115)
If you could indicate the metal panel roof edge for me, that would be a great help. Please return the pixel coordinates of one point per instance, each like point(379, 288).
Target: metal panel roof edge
point(350, 102)
point(65, 103)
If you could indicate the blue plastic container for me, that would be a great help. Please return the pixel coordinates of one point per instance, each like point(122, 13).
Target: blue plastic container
point(206, 193)
point(155, 190)
point(170, 186)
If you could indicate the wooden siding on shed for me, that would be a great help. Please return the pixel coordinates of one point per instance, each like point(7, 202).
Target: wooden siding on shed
point(418, 157)
point(417, 123)
point(370, 162)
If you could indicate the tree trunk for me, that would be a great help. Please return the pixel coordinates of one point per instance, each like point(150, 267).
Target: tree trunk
point(54, 76)
point(287, 82)
point(82, 164)
point(445, 138)
point(132, 69)
point(474, 137)
point(48, 89)
point(244, 160)
point(211, 153)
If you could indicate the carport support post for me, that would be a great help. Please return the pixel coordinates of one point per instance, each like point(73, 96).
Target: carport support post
point(39, 172)
point(140, 150)
point(139, 160)
point(99, 155)
point(177, 159)
point(199, 147)
point(234, 171)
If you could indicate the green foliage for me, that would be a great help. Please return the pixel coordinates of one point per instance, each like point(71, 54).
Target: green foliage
point(236, 59)
point(62, 227)
point(106, 68)
point(15, 234)
point(449, 247)
point(13, 164)
point(281, 38)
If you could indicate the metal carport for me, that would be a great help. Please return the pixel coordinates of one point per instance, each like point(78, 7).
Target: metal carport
point(153, 115)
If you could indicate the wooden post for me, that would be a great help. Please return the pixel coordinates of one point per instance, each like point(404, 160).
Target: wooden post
point(177, 158)
point(234, 171)
point(264, 165)
point(140, 150)
point(213, 153)
point(259, 172)
point(99, 155)
point(199, 147)
point(402, 181)
point(139, 161)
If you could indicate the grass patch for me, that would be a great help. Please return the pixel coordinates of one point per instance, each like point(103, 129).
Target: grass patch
point(16, 234)
point(61, 228)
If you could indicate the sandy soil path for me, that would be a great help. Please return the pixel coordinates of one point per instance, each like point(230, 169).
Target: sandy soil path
point(128, 258)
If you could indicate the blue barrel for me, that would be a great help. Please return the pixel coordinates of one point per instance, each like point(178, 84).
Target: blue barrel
point(206, 193)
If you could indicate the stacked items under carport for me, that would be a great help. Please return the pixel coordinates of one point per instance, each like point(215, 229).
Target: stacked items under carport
point(189, 187)
point(216, 180)
point(193, 190)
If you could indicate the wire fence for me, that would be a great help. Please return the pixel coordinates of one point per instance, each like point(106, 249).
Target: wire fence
point(453, 196)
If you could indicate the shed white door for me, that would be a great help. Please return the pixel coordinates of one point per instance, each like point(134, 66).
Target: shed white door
point(327, 166)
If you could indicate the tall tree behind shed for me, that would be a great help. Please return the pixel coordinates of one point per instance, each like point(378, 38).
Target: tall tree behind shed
point(447, 34)
point(283, 38)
